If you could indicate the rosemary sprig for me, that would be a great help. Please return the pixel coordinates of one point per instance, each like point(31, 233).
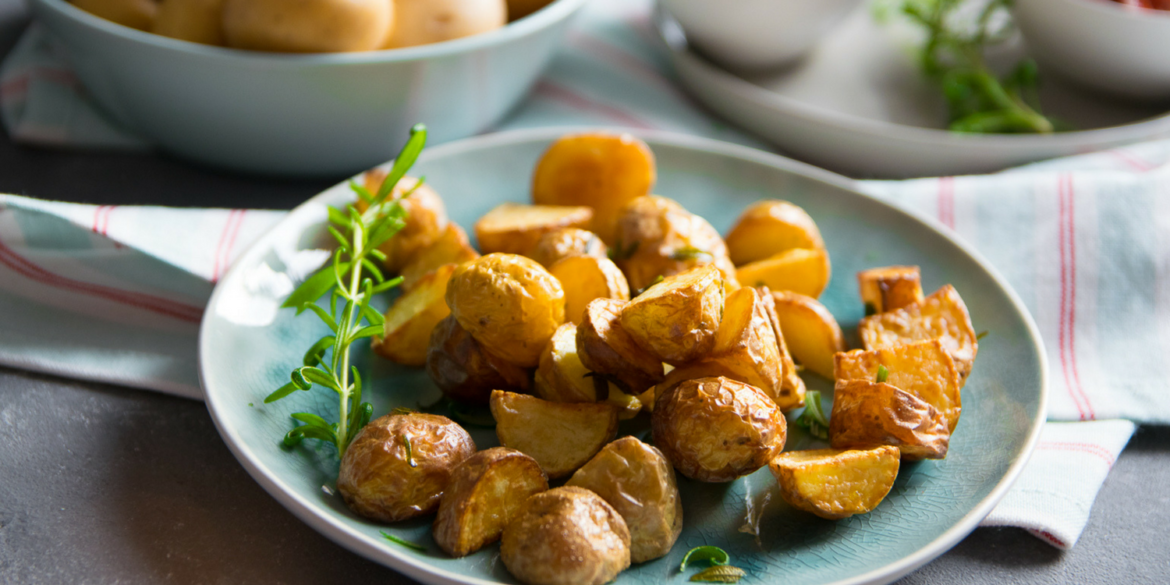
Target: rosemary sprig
point(354, 278)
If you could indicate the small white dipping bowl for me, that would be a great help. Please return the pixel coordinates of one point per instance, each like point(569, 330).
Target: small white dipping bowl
point(757, 34)
point(1099, 44)
point(302, 115)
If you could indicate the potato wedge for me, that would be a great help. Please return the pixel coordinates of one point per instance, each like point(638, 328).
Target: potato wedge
point(717, 429)
point(810, 330)
point(656, 237)
point(561, 436)
point(451, 248)
point(769, 228)
point(675, 320)
point(463, 371)
point(561, 377)
point(834, 483)
point(485, 493)
point(513, 228)
point(942, 316)
point(603, 171)
point(889, 288)
point(518, 9)
point(923, 369)
point(604, 347)
point(565, 242)
point(406, 334)
point(801, 270)
point(867, 414)
point(638, 481)
point(426, 218)
point(585, 278)
point(792, 387)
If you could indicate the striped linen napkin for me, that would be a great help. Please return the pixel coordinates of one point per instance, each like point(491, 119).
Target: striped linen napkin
point(1084, 240)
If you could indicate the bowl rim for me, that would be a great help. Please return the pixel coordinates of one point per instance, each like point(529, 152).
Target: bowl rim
point(551, 14)
point(1119, 10)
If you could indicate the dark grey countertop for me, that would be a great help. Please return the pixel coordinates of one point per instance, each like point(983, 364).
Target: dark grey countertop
point(101, 484)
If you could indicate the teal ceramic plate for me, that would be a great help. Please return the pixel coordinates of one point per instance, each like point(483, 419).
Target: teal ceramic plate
point(248, 347)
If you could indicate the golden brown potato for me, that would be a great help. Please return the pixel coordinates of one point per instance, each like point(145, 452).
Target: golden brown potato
point(463, 371)
point(518, 9)
point(836, 484)
point(656, 237)
point(923, 369)
point(510, 305)
point(515, 229)
point(791, 385)
point(810, 330)
point(450, 248)
point(565, 242)
point(603, 171)
point(561, 377)
point(800, 270)
point(867, 414)
point(421, 22)
point(485, 493)
point(198, 21)
point(307, 26)
point(397, 466)
point(889, 288)
point(585, 278)
point(410, 320)
point(769, 228)
point(139, 14)
point(941, 316)
point(675, 320)
point(561, 436)
point(426, 218)
point(604, 347)
point(717, 429)
point(638, 481)
point(566, 536)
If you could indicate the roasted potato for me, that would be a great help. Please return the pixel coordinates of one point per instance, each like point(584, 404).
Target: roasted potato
point(923, 369)
point(410, 320)
point(769, 228)
point(426, 218)
point(809, 329)
point(791, 385)
point(512, 228)
point(604, 347)
point(867, 414)
point(198, 21)
point(307, 26)
point(565, 242)
point(889, 288)
point(518, 9)
point(421, 22)
point(450, 248)
point(485, 493)
point(800, 270)
point(463, 371)
point(585, 278)
point(638, 481)
point(603, 171)
point(656, 237)
point(836, 484)
point(566, 536)
point(941, 316)
point(561, 436)
point(398, 465)
point(717, 429)
point(675, 320)
point(510, 305)
point(139, 14)
point(561, 377)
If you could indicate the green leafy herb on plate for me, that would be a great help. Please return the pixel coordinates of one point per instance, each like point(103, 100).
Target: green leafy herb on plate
point(813, 418)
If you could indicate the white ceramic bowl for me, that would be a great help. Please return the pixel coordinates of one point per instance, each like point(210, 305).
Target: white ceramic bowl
point(1099, 44)
point(755, 34)
point(302, 115)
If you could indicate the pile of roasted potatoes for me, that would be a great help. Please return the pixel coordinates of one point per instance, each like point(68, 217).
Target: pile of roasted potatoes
point(600, 302)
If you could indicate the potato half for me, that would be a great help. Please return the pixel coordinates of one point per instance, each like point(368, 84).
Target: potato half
point(585, 278)
point(561, 377)
point(801, 270)
point(139, 14)
point(425, 220)
point(604, 347)
point(463, 371)
point(810, 330)
point(676, 320)
point(565, 242)
point(867, 414)
point(421, 22)
point(923, 369)
point(307, 26)
point(834, 483)
point(942, 316)
point(515, 229)
point(485, 493)
point(769, 228)
point(791, 385)
point(406, 334)
point(451, 247)
point(656, 237)
point(889, 288)
point(561, 436)
point(518, 9)
point(198, 21)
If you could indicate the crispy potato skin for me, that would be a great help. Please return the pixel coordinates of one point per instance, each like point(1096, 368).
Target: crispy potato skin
point(890, 288)
point(566, 242)
point(746, 345)
point(675, 320)
point(769, 228)
point(513, 228)
point(923, 369)
point(560, 375)
point(792, 385)
point(717, 429)
point(604, 347)
point(812, 334)
point(801, 270)
point(463, 371)
point(426, 219)
point(657, 237)
point(452, 247)
point(585, 278)
point(376, 479)
point(484, 494)
point(638, 481)
point(560, 436)
point(410, 320)
point(566, 536)
point(867, 414)
point(603, 171)
point(942, 315)
point(510, 304)
point(836, 484)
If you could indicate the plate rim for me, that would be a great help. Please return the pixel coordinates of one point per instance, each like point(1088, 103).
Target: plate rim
point(416, 568)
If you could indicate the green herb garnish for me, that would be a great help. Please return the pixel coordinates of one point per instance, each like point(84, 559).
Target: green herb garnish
point(403, 410)
point(813, 418)
point(686, 253)
point(882, 375)
point(409, 451)
point(870, 310)
point(710, 554)
point(618, 253)
point(406, 543)
point(719, 574)
point(981, 335)
point(657, 279)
